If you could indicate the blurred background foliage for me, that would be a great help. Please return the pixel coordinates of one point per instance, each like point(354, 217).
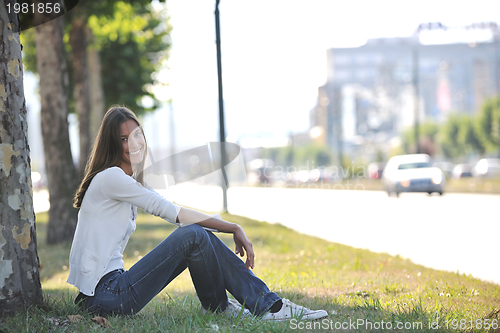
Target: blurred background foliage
point(460, 135)
point(312, 153)
point(132, 38)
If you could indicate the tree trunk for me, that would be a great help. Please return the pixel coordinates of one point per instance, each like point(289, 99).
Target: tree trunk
point(19, 274)
point(61, 172)
point(78, 42)
point(97, 106)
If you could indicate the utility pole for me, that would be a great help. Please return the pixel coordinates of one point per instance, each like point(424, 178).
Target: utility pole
point(221, 108)
point(416, 92)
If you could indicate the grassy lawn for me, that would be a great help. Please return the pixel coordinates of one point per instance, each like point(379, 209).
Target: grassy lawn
point(461, 185)
point(360, 289)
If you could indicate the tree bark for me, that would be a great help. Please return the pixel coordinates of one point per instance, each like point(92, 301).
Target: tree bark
point(81, 93)
point(19, 263)
point(97, 106)
point(61, 172)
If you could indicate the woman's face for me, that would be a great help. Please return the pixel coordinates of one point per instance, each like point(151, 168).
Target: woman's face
point(133, 145)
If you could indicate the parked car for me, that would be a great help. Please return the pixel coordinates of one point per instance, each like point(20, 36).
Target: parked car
point(461, 171)
point(412, 173)
point(487, 167)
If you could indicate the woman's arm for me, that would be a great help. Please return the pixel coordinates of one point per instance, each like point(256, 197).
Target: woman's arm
point(190, 216)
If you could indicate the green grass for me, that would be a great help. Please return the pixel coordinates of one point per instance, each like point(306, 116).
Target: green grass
point(474, 185)
point(351, 284)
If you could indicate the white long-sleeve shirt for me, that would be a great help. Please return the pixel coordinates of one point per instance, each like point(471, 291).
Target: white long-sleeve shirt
point(105, 222)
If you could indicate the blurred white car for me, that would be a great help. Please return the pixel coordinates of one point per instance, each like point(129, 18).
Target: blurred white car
point(487, 167)
point(412, 173)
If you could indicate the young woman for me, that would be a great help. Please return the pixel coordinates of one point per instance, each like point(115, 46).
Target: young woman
point(108, 197)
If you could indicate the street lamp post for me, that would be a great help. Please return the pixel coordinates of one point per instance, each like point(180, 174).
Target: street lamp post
point(416, 92)
point(221, 107)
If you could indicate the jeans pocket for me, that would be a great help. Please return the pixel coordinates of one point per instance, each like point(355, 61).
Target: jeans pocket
point(110, 283)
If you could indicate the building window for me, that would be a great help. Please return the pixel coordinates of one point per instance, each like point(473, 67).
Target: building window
point(342, 75)
point(341, 59)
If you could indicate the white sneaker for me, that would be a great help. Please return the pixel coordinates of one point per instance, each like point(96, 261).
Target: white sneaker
point(291, 310)
point(235, 310)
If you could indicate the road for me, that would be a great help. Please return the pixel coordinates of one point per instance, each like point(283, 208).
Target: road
point(455, 232)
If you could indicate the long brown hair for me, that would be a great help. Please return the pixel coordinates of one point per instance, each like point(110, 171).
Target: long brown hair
point(107, 150)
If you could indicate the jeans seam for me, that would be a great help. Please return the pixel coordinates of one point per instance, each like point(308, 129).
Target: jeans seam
point(208, 270)
point(262, 293)
point(234, 266)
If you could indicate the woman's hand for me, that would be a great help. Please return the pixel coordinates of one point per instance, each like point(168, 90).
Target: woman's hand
point(243, 243)
point(189, 216)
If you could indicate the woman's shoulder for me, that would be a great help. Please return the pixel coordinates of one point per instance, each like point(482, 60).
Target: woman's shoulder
point(114, 170)
point(111, 172)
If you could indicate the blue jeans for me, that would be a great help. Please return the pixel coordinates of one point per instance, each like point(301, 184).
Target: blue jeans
point(214, 268)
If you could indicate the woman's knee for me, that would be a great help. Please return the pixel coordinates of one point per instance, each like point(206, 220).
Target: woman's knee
point(193, 231)
point(192, 227)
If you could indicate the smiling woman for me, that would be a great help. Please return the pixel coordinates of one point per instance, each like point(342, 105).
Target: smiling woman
point(134, 145)
point(111, 148)
point(108, 198)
